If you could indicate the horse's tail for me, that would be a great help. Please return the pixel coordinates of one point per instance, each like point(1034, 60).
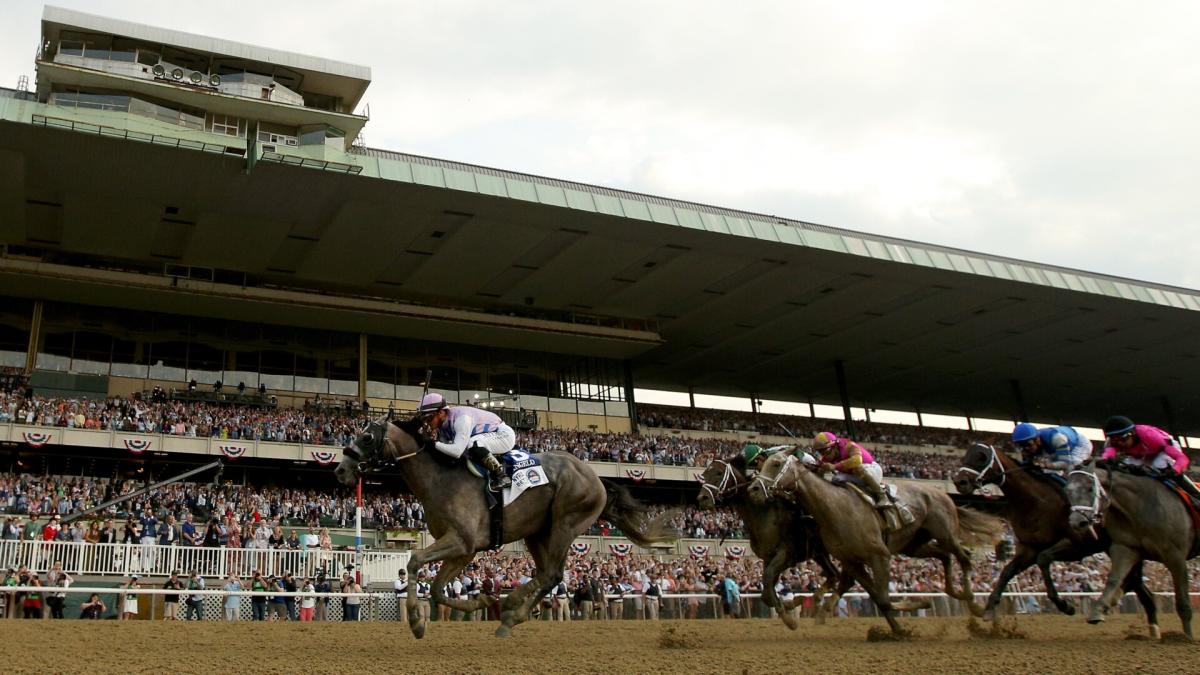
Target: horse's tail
point(635, 518)
point(978, 529)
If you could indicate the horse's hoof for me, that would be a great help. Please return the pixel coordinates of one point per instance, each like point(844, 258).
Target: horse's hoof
point(1155, 634)
point(989, 614)
point(1067, 608)
point(503, 632)
point(789, 620)
point(1095, 618)
point(819, 619)
point(418, 630)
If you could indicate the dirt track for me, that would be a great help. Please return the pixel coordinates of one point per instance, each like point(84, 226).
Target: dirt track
point(1052, 644)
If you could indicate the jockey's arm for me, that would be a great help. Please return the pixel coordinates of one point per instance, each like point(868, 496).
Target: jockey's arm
point(852, 461)
point(1177, 455)
point(461, 438)
point(1060, 456)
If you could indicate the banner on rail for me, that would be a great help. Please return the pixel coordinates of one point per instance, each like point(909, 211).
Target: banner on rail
point(735, 552)
point(232, 451)
point(324, 457)
point(137, 445)
point(636, 474)
point(36, 439)
point(698, 550)
point(620, 550)
point(580, 548)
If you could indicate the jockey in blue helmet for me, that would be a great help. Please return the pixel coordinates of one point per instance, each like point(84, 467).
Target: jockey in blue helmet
point(1063, 446)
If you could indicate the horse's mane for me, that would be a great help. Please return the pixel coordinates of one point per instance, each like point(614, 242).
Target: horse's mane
point(410, 426)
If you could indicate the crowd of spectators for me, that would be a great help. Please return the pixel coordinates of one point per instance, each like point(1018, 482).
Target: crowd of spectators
point(240, 509)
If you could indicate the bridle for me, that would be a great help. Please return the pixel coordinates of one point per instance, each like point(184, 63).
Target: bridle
point(978, 477)
point(1099, 497)
point(368, 448)
point(729, 482)
point(769, 486)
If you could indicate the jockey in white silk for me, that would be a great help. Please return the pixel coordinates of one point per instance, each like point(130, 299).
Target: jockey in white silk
point(479, 433)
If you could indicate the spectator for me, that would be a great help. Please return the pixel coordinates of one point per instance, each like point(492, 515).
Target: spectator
point(289, 585)
point(171, 601)
point(258, 603)
point(129, 606)
point(232, 601)
point(33, 599)
point(194, 601)
point(400, 591)
point(350, 608)
point(57, 578)
point(308, 601)
point(323, 586)
point(276, 604)
point(94, 608)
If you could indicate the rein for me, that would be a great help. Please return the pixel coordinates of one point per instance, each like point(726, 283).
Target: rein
point(978, 476)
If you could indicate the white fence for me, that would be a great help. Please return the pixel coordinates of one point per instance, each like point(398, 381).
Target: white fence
point(82, 558)
point(387, 607)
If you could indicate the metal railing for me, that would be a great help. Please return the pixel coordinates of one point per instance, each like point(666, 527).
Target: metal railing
point(83, 558)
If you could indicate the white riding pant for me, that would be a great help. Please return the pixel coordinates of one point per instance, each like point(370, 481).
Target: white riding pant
point(873, 468)
point(1161, 461)
point(497, 442)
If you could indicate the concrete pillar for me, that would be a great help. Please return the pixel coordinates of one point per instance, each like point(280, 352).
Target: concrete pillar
point(840, 371)
point(362, 367)
point(691, 397)
point(920, 421)
point(633, 414)
point(35, 336)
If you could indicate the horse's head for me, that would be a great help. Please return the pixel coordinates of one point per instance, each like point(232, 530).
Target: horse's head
point(1088, 499)
point(980, 466)
point(375, 445)
point(721, 478)
point(767, 483)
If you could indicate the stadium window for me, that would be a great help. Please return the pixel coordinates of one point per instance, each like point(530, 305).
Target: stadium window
point(16, 314)
point(206, 356)
point(54, 350)
point(227, 125)
point(342, 364)
point(168, 350)
point(472, 364)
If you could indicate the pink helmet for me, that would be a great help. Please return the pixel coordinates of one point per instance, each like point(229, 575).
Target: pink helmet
point(432, 402)
point(823, 440)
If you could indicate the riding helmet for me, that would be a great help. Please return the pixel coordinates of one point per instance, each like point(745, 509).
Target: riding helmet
point(1117, 425)
point(432, 402)
point(823, 440)
point(751, 451)
point(1024, 432)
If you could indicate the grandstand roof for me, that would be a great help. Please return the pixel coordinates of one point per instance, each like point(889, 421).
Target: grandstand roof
point(744, 303)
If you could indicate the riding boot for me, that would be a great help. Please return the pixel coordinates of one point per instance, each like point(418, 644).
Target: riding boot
point(496, 479)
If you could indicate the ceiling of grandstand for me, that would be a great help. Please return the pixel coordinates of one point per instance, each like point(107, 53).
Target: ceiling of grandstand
point(737, 315)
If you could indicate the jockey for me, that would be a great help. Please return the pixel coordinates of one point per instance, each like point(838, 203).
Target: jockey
point(1142, 444)
point(479, 433)
point(1064, 446)
point(755, 455)
point(847, 458)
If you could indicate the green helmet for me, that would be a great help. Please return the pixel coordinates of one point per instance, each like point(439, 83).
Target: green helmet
point(751, 452)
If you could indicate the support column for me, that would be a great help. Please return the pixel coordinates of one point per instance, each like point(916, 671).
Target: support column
point(920, 420)
point(362, 367)
point(1019, 400)
point(1169, 415)
point(812, 409)
point(840, 371)
point(754, 403)
point(35, 336)
point(692, 397)
point(629, 398)
point(970, 424)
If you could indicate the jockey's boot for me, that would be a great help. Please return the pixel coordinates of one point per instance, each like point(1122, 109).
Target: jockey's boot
point(496, 479)
point(873, 486)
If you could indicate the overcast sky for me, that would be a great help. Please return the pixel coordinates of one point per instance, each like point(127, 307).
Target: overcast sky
point(1058, 132)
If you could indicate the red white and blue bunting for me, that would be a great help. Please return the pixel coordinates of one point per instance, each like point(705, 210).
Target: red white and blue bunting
point(36, 439)
point(580, 548)
point(324, 457)
point(698, 550)
point(620, 550)
point(137, 445)
point(232, 451)
point(636, 474)
point(735, 552)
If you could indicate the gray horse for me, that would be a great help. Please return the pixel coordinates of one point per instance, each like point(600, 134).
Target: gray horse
point(547, 517)
point(1145, 522)
point(852, 530)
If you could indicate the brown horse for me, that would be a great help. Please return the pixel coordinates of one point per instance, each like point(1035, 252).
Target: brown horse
point(781, 534)
point(1038, 511)
point(547, 517)
point(853, 530)
point(1146, 521)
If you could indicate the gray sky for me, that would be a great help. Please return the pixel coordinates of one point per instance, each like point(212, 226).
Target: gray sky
point(1058, 132)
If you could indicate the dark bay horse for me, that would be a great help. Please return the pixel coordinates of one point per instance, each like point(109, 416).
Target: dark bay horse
point(1038, 511)
point(852, 530)
point(780, 533)
point(1145, 521)
point(547, 517)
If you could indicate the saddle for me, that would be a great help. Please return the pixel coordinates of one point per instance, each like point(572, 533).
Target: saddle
point(894, 515)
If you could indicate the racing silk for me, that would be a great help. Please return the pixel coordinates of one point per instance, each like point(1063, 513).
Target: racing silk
point(1151, 441)
point(846, 455)
point(1066, 445)
point(463, 423)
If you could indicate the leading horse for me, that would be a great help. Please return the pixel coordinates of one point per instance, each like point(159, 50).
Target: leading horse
point(1145, 522)
point(1038, 511)
point(547, 517)
point(781, 534)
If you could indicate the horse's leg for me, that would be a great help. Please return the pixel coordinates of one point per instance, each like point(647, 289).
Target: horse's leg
point(1058, 551)
point(1023, 557)
point(548, 559)
point(1134, 583)
point(877, 588)
point(1122, 559)
point(1183, 607)
point(449, 570)
point(842, 581)
point(450, 545)
point(771, 572)
point(965, 593)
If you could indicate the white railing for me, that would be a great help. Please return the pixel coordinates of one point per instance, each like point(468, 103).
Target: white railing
point(80, 558)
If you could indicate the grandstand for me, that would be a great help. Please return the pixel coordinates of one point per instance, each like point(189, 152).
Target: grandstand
point(199, 258)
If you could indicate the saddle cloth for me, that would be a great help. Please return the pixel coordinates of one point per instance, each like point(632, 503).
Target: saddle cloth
point(525, 471)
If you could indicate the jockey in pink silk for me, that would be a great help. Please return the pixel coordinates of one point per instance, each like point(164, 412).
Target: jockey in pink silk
point(1144, 445)
point(847, 458)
